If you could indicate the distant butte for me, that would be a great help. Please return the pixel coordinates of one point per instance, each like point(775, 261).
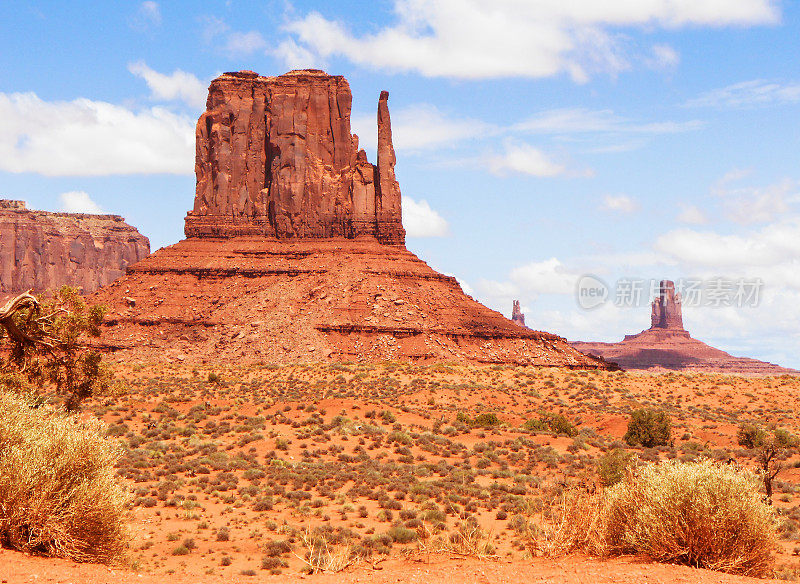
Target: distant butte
point(295, 249)
point(667, 345)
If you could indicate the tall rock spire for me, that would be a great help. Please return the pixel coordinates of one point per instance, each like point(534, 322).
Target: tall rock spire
point(666, 308)
point(387, 188)
point(517, 315)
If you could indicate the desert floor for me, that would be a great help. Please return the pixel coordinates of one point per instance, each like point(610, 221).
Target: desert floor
point(236, 472)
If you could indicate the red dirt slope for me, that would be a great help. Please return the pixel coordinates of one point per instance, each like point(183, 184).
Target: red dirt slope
point(255, 299)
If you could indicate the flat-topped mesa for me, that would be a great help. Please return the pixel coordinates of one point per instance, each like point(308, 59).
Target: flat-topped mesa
point(275, 158)
point(41, 250)
point(666, 308)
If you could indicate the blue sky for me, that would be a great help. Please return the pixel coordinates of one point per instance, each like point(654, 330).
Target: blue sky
point(537, 140)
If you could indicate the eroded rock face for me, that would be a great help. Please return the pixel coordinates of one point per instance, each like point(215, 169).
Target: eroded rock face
point(276, 158)
point(666, 309)
point(256, 299)
point(41, 250)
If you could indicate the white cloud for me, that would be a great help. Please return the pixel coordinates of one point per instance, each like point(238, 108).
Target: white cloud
point(664, 57)
point(772, 245)
point(545, 277)
point(298, 57)
point(179, 85)
point(473, 39)
point(501, 292)
point(420, 220)
point(692, 214)
point(753, 204)
point(242, 44)
point(91, 138)
point(620, 204)
point(148, 15)
point(78, 202)
point(235, 44)
point(757, 92)
point(585, 121)
point(213, 27)
point(523, 158)
point(419, 127)
point(422, 126)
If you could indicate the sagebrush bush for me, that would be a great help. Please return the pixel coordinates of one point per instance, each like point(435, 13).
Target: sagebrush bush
point(58, 491)
point(548, 422)
point(703, 514)
point(649, 428)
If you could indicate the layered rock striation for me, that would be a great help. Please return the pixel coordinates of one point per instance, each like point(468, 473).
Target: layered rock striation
point(667, 345)
point(276, 158)
point(295, 250)
point(41, 250)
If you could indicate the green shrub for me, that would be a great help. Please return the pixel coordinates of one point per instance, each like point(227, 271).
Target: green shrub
point(486, 420)
point(750, 435)
point(556, 423)
point(463, 418)
point(649, 428)
point(400, 534)
point(612, 466)
point(58, 491)
point(400, 438)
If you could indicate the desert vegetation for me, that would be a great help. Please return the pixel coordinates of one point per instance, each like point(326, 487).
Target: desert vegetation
point(265, 469)
point(704, 514)
point(59, 494)
point(309, 467)
point(46, 341)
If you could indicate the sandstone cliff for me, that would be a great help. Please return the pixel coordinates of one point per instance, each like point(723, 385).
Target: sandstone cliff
point(41, 250)
point(275, 158)
point(667, 345)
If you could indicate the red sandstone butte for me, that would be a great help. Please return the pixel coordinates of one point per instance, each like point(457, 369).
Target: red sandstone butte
point(667, 345)
point(275, 158)
point(295, 250)
point(41, 250)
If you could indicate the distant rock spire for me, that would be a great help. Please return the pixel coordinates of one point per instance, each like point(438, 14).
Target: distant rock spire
point(666, 308)
point(516, 314)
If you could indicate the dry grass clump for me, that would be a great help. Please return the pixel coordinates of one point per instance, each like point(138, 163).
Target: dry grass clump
point(578, 521)
point(701, 514)
point(58, 492)
point(323, 556)
point(468, 541)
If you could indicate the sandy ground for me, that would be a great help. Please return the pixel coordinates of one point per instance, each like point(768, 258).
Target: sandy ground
point(265, 453)
point(16, 567)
